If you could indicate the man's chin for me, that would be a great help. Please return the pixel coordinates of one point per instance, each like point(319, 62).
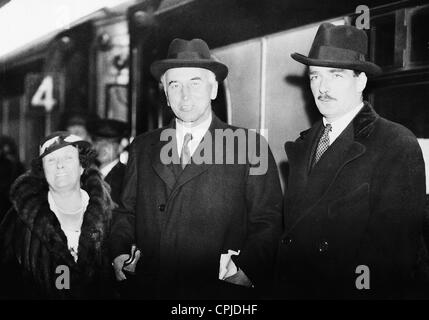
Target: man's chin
point(187, 120)
point(325, 107)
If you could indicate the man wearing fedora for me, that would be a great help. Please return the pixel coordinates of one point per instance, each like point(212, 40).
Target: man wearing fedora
point(204, 229)
point(355, 195)
point(107, 135)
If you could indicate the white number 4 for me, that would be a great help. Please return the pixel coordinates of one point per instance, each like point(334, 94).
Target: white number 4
point(44, 96)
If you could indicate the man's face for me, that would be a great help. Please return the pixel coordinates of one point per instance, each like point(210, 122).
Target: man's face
point(108, 150)
point(63, 169)
point(6, 153)
point(79, 131)
point(189, 93)
point(336, 91)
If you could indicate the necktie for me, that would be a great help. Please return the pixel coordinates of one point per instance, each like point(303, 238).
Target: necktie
point(185, 155)
point(323, 144)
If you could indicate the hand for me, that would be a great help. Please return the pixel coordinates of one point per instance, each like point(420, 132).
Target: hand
point(239, 278)
point(118, 264)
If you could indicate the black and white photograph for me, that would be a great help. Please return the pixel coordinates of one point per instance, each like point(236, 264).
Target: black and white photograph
point(214, 158)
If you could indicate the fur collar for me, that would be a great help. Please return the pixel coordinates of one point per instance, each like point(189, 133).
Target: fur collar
point(363, 123)
point(29, 197)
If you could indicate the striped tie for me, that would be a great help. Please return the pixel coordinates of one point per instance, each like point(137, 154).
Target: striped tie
point(185, 155)
point(323, 144)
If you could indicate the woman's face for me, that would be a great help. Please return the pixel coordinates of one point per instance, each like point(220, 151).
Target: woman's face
point(63, 169)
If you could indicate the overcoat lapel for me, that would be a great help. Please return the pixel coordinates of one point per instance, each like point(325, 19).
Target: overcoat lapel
point(310, 187)
point(343, 150)
point(299, 155)
point(165, 172)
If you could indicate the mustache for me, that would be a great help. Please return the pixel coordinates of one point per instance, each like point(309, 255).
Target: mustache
point(325, 97)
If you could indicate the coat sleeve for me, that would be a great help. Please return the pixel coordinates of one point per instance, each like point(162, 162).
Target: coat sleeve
point(264, 216)
point(123, 220)
point(12, 283)
point(7, 226)
point(397, 203)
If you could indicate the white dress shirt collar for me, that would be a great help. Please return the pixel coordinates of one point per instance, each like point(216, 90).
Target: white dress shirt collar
point(341, 123)
point(106, 169)
point(197, 132)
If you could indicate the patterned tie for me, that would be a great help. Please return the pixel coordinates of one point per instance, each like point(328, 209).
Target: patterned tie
point(323, 144)
point(185, 155)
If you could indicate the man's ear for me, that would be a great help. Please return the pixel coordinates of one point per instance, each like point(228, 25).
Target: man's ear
point(362, 80)
point(166, 96)
point(213, 93)
point(121, 147)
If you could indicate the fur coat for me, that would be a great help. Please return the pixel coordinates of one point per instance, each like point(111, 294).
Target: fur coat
point(33, 244)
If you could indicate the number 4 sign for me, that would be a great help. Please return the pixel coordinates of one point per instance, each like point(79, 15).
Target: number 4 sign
point(44, 96)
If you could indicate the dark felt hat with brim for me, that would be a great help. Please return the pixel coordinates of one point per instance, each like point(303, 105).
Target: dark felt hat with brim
point(342, 47)
point(109, 128)
point(194, 53)
point(58, 140)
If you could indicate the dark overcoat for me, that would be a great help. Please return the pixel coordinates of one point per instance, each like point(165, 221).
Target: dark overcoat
point(183, 223)
point(361, 205)
point(33, 245)
point(115, 179)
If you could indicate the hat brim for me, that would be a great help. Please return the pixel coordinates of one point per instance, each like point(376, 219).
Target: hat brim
point(158, 68)
point(369, 68)
point(82, 144)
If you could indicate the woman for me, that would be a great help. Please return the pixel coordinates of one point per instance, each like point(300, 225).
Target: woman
point(56, 230)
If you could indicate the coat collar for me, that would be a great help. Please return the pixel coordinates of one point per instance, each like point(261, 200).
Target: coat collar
point(362, 126)
point(363, 123)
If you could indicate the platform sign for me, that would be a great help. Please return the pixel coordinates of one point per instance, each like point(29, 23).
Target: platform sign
point(44, 95)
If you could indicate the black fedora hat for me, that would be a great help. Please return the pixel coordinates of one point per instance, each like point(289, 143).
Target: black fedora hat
point(342, 47)
point(193, 53)
point(109, 128)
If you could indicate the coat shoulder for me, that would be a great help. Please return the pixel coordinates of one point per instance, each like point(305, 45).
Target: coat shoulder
point(396, 134)
point(148, 137)
point(303, 135)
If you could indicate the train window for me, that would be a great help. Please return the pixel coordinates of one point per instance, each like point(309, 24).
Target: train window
point(219, 105)
point(405, 104)
point(35, 128)
point(116, 102)
point(419, 36)
point(382, 39)
point(13, 120)
point(244, 94)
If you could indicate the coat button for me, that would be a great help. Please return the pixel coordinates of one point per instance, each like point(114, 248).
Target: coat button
point(323, 246)
point(286, 241)
point(161, 207)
